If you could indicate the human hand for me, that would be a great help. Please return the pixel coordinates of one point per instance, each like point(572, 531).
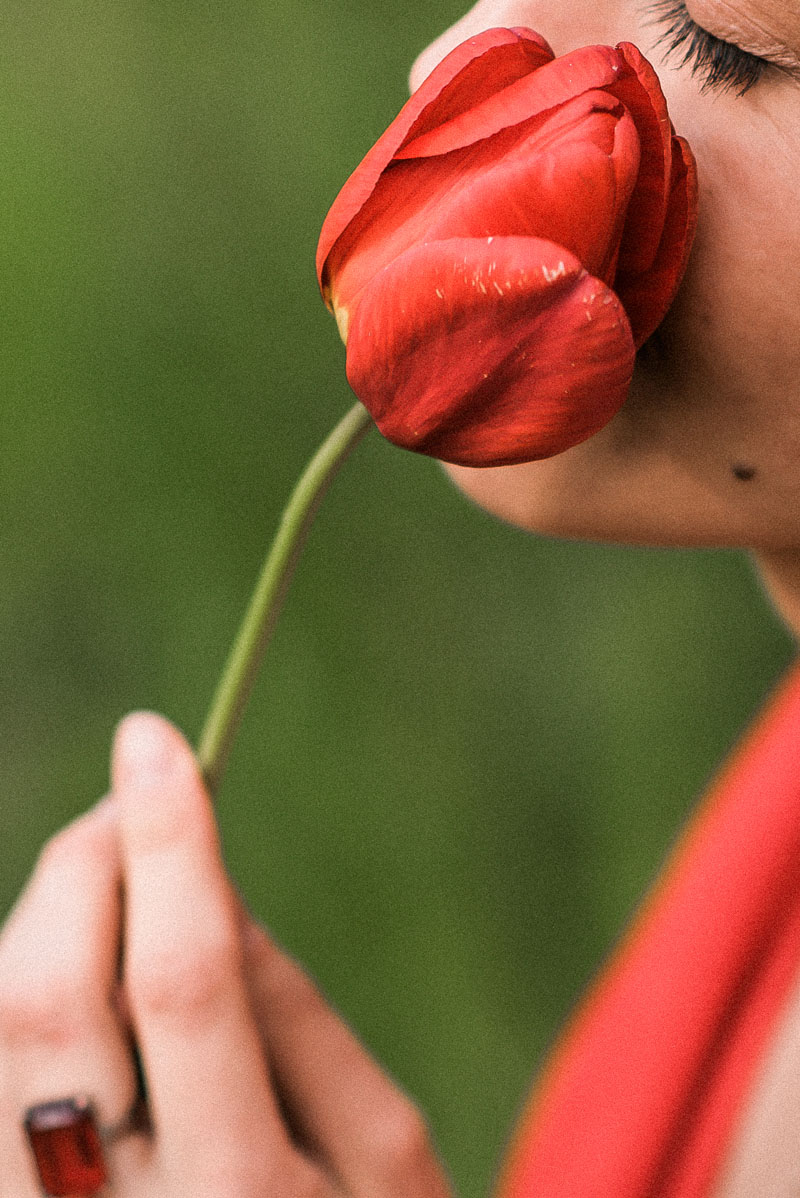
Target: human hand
point(130, 942)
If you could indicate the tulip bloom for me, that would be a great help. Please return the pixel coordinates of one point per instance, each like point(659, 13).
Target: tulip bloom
point(502, 251)
point(643, 1095)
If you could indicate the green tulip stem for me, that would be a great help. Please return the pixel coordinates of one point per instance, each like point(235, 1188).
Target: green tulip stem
point(256, 628)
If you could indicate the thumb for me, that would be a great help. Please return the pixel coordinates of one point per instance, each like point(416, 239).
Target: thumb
point(149, 751)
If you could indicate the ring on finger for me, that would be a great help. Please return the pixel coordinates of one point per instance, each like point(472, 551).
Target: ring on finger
point(68, 1144)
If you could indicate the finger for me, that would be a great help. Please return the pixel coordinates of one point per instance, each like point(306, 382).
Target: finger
point(18, 1175)
point(211, 1099)
point(60, 1034)
point(350, 1112)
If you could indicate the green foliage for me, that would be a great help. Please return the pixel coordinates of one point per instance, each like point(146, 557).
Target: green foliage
point(469, 750)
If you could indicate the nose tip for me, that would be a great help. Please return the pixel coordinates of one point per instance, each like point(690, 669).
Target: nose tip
point(418, 71)
point(485, 14)
point(433, 54)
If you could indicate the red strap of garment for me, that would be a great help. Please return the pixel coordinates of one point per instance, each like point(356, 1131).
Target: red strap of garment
point(641, 1095)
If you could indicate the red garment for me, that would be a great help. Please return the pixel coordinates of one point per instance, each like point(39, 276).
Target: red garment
point(642, 1094)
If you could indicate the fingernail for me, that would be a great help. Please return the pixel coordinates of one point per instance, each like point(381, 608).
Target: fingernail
point(144, 751)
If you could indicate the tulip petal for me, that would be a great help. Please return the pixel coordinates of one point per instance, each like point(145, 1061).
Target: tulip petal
point(470, 72)
point(589, 68)
point(489, 352)
point(646, 297)
point(514, 184)
point(640, 91)
point(494, 66)
point(586, 149)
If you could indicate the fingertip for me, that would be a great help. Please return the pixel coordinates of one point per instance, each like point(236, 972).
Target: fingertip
point(147, 752)
point(162, 798)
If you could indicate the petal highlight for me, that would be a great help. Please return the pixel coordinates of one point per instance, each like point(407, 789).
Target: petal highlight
point(489, 352)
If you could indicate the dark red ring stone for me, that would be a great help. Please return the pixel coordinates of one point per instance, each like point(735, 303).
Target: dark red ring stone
point(67, 1148)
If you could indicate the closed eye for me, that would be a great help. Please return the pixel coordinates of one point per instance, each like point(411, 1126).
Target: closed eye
point(718, 64)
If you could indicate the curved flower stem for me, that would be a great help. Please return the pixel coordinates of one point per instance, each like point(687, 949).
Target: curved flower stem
point(256, 628)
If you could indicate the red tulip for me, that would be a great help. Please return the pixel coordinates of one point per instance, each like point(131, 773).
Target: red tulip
point(644, 1094)
point(509, 242)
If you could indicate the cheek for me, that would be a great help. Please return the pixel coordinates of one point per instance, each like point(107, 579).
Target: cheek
point(737, 314)
point(734, 335)
point(487, 14)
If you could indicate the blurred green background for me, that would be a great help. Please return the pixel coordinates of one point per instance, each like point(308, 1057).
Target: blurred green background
point(470, 749)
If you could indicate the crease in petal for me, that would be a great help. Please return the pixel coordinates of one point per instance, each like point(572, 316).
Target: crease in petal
point(589, 68)
point(593, 159)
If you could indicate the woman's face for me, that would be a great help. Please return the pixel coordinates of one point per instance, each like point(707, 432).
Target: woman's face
point(707, 448)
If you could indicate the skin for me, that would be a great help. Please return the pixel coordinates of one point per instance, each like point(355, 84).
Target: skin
point(231, 1032)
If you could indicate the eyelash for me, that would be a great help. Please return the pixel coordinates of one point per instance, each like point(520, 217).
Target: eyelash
point(718, 64)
